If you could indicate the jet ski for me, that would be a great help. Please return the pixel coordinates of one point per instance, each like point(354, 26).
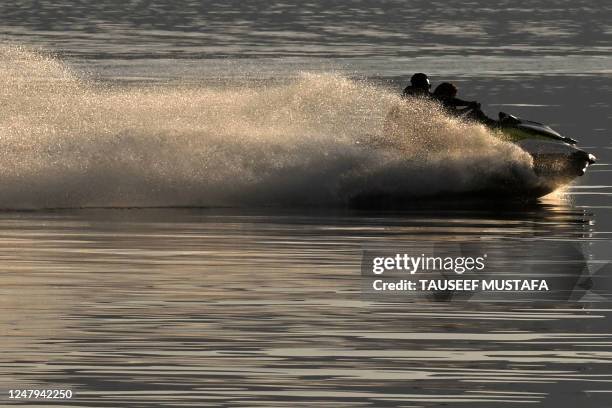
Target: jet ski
point(556, 158)
point(557, 161)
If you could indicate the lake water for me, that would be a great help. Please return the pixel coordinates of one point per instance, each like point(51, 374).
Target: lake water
point(242, 287)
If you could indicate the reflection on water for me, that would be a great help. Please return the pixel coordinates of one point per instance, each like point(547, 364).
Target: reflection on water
point(113, 28)
point(261, 308)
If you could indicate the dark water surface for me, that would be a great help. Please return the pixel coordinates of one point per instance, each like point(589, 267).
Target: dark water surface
point(251, 308)
point(262, 307)
point(161, 28)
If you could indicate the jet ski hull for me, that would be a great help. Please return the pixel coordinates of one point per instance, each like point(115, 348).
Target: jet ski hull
point(556, 162)
point(556, 159)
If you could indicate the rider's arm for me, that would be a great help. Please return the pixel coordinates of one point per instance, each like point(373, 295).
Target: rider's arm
point(456, 102)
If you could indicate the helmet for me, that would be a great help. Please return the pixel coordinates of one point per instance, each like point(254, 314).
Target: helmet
point(420, 80)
